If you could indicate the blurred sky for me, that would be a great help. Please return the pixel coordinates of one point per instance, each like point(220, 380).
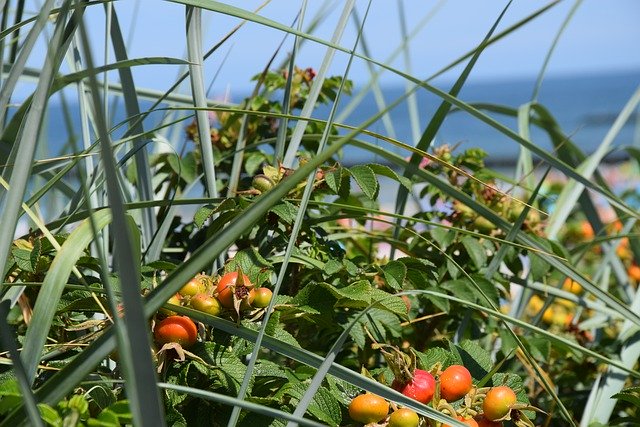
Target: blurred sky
point(602, 36)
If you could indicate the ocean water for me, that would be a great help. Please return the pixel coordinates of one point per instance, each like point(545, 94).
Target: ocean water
point(584, 106)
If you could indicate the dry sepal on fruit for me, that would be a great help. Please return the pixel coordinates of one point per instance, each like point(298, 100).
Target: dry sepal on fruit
point(235, 290)
point(498, 403)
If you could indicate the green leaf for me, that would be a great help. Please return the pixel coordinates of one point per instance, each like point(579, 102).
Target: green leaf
point(394, 273)
point(205, 212)
point(392, 303)
point(475, 358)
point(332, 266)
point(52, 289)
point(285, 211)
point(49, 415)
point(23, 259)
point(460, 288)
point(366, 180)
point(630, 394)
point(252, 264)
point(334, 179)
point(358, 291)
point(390, 173)
point(475, 250)
point(326, 408)
point(443, 236)
point(488, 288)
point(539, 347)
point(433, 356)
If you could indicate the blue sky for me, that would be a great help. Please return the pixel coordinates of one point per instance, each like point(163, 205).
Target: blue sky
point(602, 36)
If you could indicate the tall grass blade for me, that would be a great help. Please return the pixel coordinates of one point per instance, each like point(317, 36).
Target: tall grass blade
point(194, 47)
point(438, 118)
point(250, 406)
point(301, 211)
point(19, 62)
point(572, 190)
point(286, 102)
point(133, 334)
point(316, 87)
point(11, 201)
point(9, 345)
point(144, 185)
point(52, 288)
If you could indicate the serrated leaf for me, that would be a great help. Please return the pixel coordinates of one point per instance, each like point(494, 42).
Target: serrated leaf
point(252, 264)
point(394, 274)
point(161, 265)
point(334, 179)
point(23, 259)
point(488, 288)
point(390, 302)
point(205, 212)
point(630, 394)
point(100, 396)
point(326, 408)
point(252, 162)
point(390, 173)
point(475, 250)
point(453, 268)
point(285, 211)
point(461, 289)
point(266, 368)
point(122, 410)
point(366, 180)
point(433, 356)
point(35, 253)
point(358, 291)
point(539, 347)
point(202, 215)
point(332, 266)
point(475, 358)
point(443, 237)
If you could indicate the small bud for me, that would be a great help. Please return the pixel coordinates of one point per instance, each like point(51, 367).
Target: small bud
point(262, 183)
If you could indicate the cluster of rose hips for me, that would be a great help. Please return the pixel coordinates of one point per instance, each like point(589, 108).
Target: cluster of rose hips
point(481, 407)
point(233, 292)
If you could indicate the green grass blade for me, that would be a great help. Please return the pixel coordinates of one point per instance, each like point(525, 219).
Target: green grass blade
point(250, 406)
point(8, 344)
point(143, 171)
point(286, 102)
point(316, 87)
point(524, 168)
point(133, 334)
point(19, 63)
point(547, 58)
point(194, 48)
point(10, 202)
point(572, 190)
point(45, 307)
point(412, 102)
